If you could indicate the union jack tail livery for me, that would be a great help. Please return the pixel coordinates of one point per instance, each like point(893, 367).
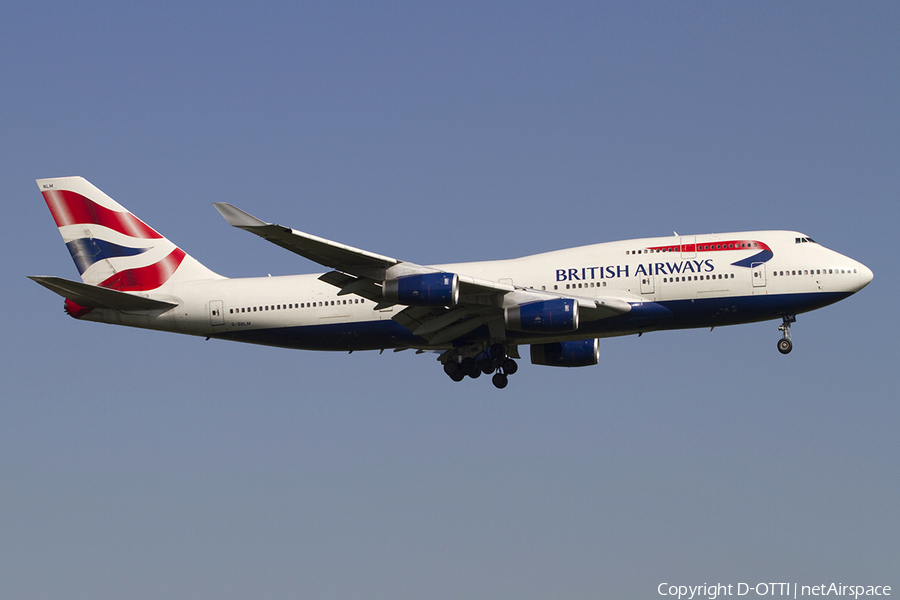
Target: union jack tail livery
point(111, 247)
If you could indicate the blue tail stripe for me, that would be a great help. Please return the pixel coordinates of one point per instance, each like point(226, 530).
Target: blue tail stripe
point(87, 251)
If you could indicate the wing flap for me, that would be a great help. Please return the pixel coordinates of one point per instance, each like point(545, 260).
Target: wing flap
point(361, 286)
point(594, 309)
point(441, 326)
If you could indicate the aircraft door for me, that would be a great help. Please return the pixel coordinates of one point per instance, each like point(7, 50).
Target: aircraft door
point(688, 246)
point(758, 273)
point(216, 313)
point(646, 284)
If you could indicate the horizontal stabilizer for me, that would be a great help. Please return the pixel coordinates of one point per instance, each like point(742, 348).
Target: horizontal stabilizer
point(91, 296)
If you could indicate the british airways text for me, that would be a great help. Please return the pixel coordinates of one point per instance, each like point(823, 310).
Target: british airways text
point(611, 272)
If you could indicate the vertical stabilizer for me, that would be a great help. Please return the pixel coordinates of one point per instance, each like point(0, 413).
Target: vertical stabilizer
point(111, 247)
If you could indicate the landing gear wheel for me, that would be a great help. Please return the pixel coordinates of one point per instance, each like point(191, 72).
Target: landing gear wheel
point(510, 367)
point(784, 344)
point(454, 371)
point(470, 368)
point(499, 380)
point(485, 364)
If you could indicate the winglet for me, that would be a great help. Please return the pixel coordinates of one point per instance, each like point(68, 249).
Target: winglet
point(236, 217)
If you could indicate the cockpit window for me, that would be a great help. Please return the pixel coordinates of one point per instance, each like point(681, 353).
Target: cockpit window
point(804, 240)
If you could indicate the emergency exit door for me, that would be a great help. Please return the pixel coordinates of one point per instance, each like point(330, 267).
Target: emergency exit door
point(758, 273)
point(216, 313)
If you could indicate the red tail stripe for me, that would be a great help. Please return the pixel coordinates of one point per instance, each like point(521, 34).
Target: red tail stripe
point(71, 208)
point(146, 278)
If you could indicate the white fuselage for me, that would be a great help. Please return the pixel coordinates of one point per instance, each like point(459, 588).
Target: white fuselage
point(671, 283)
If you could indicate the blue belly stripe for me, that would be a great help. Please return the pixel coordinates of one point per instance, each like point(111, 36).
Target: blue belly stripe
point(648, 316)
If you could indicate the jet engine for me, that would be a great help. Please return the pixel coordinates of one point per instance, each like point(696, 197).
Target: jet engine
point(580, 353)
point(427, 289)
point(544, 316)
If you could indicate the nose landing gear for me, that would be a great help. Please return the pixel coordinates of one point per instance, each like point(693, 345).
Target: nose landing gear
point(784, 344)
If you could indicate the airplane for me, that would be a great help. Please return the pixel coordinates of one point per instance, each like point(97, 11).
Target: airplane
point(474, 315)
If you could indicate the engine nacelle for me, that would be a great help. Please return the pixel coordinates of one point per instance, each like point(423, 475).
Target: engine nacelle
point(581, 353)
point(427, 289)
point(545, 316)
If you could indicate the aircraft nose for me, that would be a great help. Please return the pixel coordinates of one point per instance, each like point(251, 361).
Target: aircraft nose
point(865, 275)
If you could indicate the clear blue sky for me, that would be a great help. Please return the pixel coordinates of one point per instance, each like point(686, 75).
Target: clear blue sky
point(138, 465)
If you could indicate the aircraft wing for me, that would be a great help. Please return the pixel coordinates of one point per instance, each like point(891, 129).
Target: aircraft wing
point(366, 268)
point(325, 252)
point(481, 301)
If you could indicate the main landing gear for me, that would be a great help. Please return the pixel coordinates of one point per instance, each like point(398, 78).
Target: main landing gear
point(493, 359)
point(784, 344)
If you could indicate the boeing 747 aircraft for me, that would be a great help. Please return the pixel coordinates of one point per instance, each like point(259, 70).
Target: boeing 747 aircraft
point(475, 316)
